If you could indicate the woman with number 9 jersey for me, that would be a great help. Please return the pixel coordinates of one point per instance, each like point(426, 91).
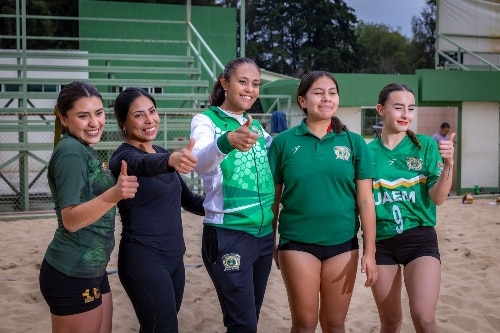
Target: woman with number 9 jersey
point(413, 175)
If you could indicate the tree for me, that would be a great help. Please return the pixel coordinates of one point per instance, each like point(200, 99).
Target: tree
point(292, 37)
point(383, 50)
point(424, 37)
point(36, 27)
point(331, 43)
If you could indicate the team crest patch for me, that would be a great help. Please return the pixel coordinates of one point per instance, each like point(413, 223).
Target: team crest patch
point(231, 261)
point(342, 152)
point(256, 130)
point(414, 163)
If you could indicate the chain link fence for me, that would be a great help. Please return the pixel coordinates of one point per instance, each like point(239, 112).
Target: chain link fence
point(25, 154)
point(27, 144)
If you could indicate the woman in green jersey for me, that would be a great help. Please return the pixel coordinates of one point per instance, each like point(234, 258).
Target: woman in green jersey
point(413, 175)
point(73, 278)
point(323, 178)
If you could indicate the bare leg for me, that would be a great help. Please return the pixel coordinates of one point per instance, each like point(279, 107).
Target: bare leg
point(301, 273)
point(98, 320)
point(422, 280)
point(338, 275)
point(387, 295)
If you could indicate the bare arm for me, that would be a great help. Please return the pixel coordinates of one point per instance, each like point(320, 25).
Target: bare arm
point(278, 188)
point(441, 189)
point(79, 216)
point(366, 207)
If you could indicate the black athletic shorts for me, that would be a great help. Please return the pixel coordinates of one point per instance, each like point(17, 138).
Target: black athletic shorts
point(405, 247)
point(68, 295)
point(321, 252)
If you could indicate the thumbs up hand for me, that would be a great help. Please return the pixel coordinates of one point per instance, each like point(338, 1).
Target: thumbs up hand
point(243, 138)
point(248, 122)
point(126, 185)
point(183, 161)
point(446, 149)
point(123, 170)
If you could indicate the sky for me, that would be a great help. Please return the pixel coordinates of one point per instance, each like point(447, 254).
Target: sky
point(393, 13)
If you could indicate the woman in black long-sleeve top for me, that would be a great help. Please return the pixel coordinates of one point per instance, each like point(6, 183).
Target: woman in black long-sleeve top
point(150, 257)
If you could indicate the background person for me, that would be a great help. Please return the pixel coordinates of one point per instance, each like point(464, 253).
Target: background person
point(150, 257)
point(323, 178)
point(237, 244)
point(443, 134)
point(73, 278)
point(411, 180)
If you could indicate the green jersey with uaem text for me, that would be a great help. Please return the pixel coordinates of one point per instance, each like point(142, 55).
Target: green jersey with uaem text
point(404, 176)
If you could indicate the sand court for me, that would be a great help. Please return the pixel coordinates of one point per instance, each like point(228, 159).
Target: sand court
point(469, 240)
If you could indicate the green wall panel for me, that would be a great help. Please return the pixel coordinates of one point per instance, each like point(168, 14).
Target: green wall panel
point(216, 25)
point(354, 89)
point(459, 86)
point(363, 89)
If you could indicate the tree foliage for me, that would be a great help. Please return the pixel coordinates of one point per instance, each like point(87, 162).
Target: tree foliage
point(292, 37)
point(382, 50)
point(424, 36)
point(34, 27)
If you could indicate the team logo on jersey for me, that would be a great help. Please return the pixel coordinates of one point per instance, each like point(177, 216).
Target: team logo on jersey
point(414, 163)
point(342, 152)
point(256, 130)
point(231, 261)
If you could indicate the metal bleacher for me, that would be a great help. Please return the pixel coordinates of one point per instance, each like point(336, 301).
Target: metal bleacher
point(30, 81)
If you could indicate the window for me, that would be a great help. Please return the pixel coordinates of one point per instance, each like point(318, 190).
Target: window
point(31, 87)
point(371, 122)
point(150, 90)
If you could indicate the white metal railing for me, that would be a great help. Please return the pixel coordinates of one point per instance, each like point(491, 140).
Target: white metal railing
point(460, 52)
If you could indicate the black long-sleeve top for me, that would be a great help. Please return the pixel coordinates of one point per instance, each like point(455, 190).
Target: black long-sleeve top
point(153, 216)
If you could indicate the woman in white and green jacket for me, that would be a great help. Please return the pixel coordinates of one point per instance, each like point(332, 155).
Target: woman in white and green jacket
point(237, 245)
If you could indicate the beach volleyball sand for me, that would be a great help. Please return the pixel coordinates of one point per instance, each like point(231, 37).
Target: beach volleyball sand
point(469, 240)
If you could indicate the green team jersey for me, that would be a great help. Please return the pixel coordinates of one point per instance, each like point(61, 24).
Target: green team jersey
point(319, 189)
point(238, 185)
point(77, 175)
point(404, 176)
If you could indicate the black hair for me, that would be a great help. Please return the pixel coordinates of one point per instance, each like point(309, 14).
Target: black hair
point(218, 96)
point(445, 125)
point(305, 84)
point(124, 99)
point(70, 93)
point(384, 96)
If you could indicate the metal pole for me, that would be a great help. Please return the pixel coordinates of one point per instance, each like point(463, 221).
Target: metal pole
point(242, 28)
point(188, 20)
point(24, 195)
